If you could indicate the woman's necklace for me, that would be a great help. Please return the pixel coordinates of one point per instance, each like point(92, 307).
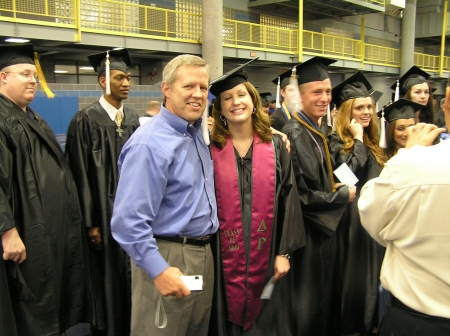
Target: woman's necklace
point(243, 153)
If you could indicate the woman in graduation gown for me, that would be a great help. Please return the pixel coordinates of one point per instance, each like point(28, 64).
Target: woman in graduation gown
point(259, 213)
point(355, 142)
point(398, 118)
point(413, 85)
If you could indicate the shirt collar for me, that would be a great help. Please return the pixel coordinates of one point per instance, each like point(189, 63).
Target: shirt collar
point(178, 123)
point(308, 120)
point(111, 110)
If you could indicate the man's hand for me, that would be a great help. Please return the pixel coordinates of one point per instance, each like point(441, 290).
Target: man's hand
point(422, 134)
point(281, 267)
point(95, 237)
point(283, 137)
point(351, 193)
point(170, 283)
point(356, 129)
point(13, 247)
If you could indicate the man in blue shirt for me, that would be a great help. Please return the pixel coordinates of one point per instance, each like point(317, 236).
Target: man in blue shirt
point(165, 207)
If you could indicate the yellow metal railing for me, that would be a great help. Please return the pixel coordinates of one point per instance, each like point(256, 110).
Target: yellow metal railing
point(132, 19)
point(426, 62)
point(335, 46)
point(41, 12)
point(381, 55)
point(245, 35)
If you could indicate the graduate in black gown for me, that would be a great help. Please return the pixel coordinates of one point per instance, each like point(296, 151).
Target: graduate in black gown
point(43, 274)
point(259, 214)
point(287, 90)
point(94, 141)
point(355, 142)
point(314, 293)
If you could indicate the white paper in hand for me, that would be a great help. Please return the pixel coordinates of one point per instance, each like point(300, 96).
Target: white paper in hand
point(268, 289)
point(345, 175)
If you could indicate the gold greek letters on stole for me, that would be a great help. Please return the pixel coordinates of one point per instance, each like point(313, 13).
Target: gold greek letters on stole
point(262, 228)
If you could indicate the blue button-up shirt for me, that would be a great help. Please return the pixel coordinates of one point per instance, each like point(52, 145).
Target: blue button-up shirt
point(166, 188)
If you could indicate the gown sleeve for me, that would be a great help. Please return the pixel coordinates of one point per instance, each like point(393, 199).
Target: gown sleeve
point(7, 221)
point(77, 151)
point(355, 160)
point(289, 217)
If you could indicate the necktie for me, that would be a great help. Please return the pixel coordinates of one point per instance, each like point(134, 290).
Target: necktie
point(118, 119)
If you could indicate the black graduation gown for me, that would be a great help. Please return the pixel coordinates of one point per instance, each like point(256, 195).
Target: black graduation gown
point(92, 148)
point(288, 235)
point(360, 256)
point(314, 295)
point(38, 197)
point(278, 119)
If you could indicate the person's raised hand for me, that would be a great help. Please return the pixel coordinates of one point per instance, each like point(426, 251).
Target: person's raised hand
point(422, 134)
point(356, 129)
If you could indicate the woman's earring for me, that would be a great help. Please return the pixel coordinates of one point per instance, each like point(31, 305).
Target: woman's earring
point(254, 110)
point(223, 119)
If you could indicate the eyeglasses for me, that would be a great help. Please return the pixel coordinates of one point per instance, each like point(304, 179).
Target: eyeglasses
point(26, 74)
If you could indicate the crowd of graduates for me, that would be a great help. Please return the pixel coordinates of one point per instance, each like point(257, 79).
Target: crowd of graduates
point(86, 234)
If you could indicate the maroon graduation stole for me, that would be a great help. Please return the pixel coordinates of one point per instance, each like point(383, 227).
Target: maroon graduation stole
point(244, 303)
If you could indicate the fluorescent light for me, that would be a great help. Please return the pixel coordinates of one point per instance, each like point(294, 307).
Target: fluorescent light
point(16, 40)
point(61, 71)
point(118, 48)
point(86, 68)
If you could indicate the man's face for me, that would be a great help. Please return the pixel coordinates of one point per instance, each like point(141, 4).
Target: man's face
point(188, 95)
point(19, 83)
point(316, 97)
point(120, 84)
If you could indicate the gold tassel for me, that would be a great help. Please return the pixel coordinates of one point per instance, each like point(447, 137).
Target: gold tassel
point(42, 80)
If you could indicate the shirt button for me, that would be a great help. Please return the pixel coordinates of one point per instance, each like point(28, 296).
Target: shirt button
point(184, 134)
point(206, 179)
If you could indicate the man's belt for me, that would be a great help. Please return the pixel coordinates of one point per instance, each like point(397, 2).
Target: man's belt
point(201, 241)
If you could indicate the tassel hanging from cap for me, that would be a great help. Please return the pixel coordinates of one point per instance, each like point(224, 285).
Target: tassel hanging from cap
point(334, 117)
point(277, 102)
point(42, 80)
point(107, 75)
point(205, 129)
point(383, 143)
point(397, 91)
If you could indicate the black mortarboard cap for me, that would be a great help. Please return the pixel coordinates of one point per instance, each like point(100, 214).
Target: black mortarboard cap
point(119, 60)
point(13, 54)
point(230, 79)
point(400, 109)
point(264, 96)
point(413, 76)
point(376, 95)
point(284, 79)
point(356, 86)
point(313, 70)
